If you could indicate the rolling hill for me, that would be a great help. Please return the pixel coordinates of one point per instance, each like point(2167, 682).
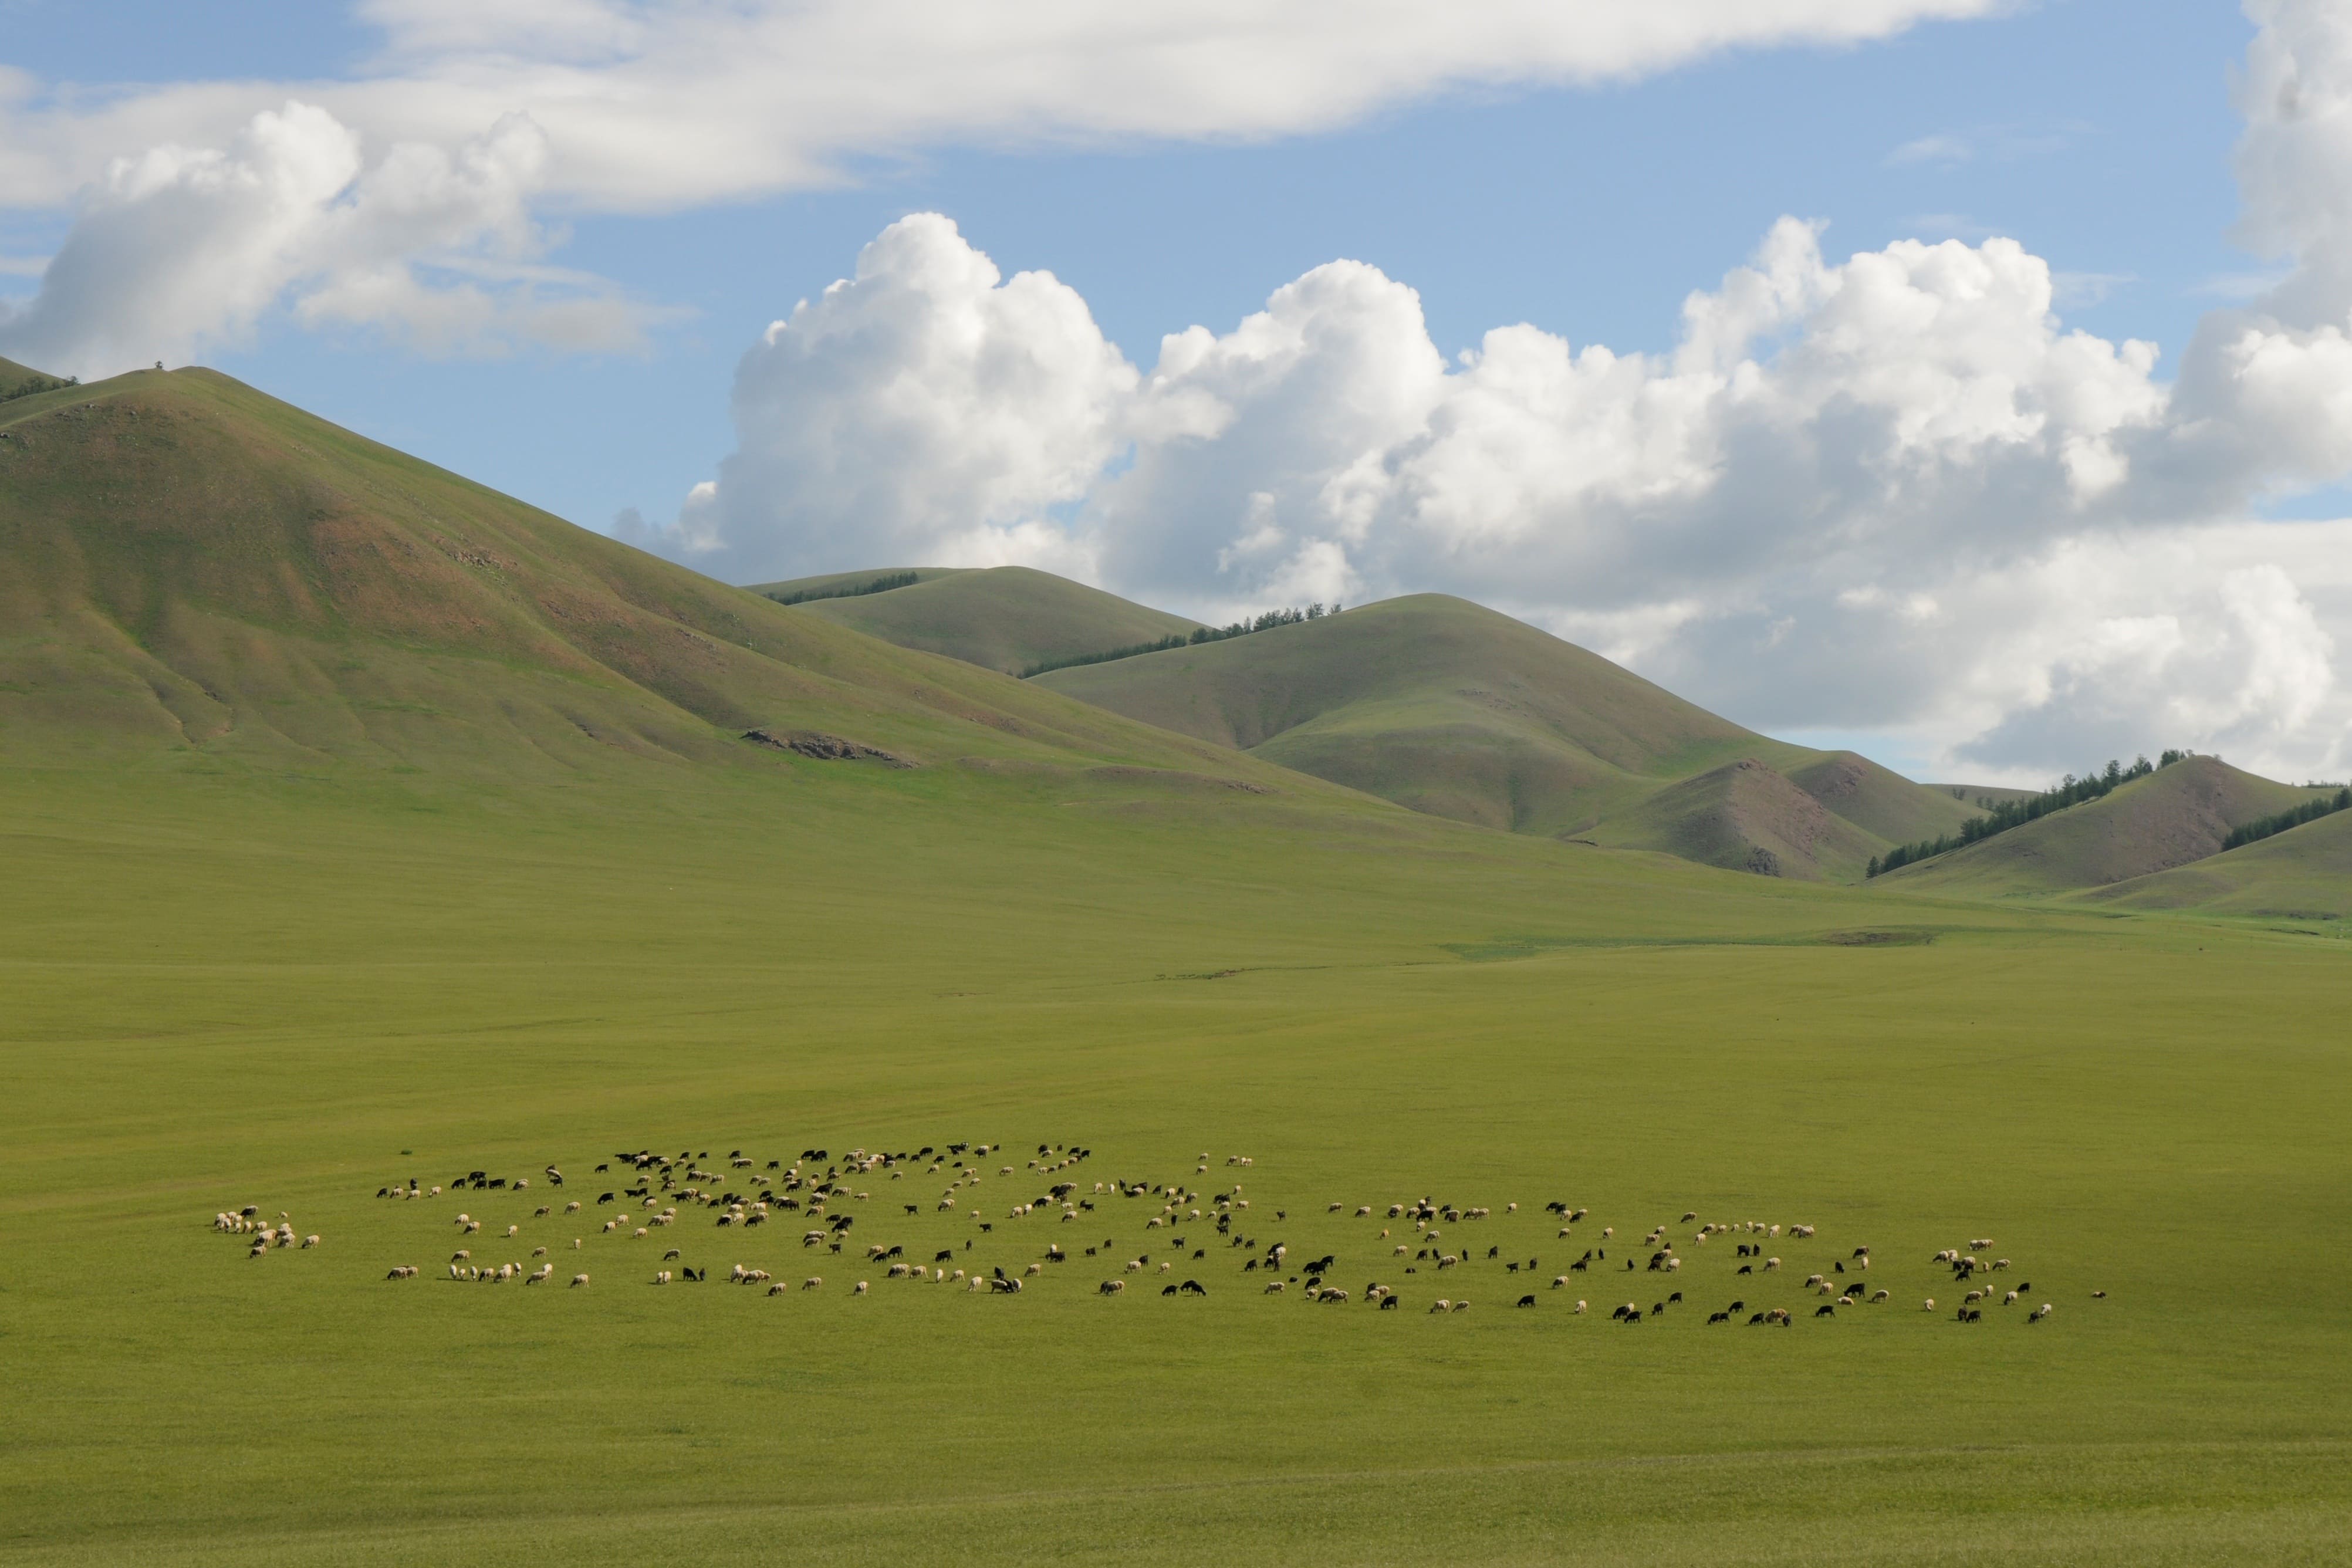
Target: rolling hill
point(1456, 709)
point(2174, 817)
point(2305, 873)
point(1008, 619)
point(190, 568)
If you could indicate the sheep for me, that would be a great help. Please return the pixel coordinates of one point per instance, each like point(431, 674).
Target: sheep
point(577, 1280)
point(539, 1252)
point(2038, 1313)
point(814, 1282)
point(1770, 1264)
point(778, 1289)
point(1879, 1296)
point(1113, 1288)
point(461, 1255)
point(1580, 1306)
point(514, 1230)
point(541, 1275)
point(1439, 1305)
point(406, 1271)
point(1277, 1288)
point(1461, 1307)
point(573, 1208)
point(1928, 1305)
point(2009, 1299)
point(1559, 1282)
point(859, 1288)
point(1526, 1302)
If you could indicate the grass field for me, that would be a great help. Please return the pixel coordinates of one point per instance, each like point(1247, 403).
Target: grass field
point(286, 990)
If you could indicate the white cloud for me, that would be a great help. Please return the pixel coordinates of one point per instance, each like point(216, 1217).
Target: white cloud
point(928, 406)
point(1888, 492)
point(1942, 149)
point(184, 246)
point(656, 105)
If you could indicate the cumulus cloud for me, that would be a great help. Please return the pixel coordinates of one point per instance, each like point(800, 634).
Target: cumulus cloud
point(928, 406)
point(183, 246)
point(1889, 492)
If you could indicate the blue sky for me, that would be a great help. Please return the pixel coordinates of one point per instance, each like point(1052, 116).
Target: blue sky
point(2099, 135)
point(2099, 131)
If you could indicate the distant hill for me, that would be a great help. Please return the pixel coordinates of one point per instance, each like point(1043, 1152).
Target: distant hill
point(2176, 816)
point(1010, 618)
point(1746, 817)
point(190, 568)
point(2305, 873)
point(1454, 708)
point(1975, 794)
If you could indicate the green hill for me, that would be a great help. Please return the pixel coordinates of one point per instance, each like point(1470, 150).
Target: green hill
point(190, 567)
point(1452, 708)
point(1744, 816)
point(2303, 873)
point(2176, 816)
point(1010, 618)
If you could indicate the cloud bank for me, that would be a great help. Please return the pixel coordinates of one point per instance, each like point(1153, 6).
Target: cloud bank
point(1891, 492)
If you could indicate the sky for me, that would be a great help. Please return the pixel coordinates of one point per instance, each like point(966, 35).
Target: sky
point(1966, 381)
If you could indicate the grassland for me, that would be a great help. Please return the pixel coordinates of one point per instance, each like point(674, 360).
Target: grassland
point(360, 824)
point(231, 988)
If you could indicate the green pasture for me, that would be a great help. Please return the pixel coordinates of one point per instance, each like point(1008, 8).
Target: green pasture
point(286, 991)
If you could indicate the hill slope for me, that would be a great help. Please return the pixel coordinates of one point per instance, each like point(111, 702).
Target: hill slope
point(1451, 708)
point(2303, 873)
point(2173, 817)
point(190, 567)
point(1009, 618)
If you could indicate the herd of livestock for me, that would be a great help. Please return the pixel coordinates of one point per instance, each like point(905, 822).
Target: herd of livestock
point(643, 1197)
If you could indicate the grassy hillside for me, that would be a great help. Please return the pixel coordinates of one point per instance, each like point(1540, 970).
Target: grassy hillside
point(838, 579)
point(1452, 708)
point(1744, 816)
point(1009, 618)
point(190, 569)
point(2178, 815)
point(2303, 873)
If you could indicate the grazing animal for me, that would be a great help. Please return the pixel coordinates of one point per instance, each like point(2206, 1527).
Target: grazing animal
point(1439, 1305)
point(859, 1289)
point(1113, 1287)
point(578, 1281)
point(1526, 1302)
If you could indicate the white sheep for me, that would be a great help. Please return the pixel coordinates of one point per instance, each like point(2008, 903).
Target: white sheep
point(578, 1281)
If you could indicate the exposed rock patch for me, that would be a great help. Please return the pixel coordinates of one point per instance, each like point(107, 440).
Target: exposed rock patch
point(823, 748)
